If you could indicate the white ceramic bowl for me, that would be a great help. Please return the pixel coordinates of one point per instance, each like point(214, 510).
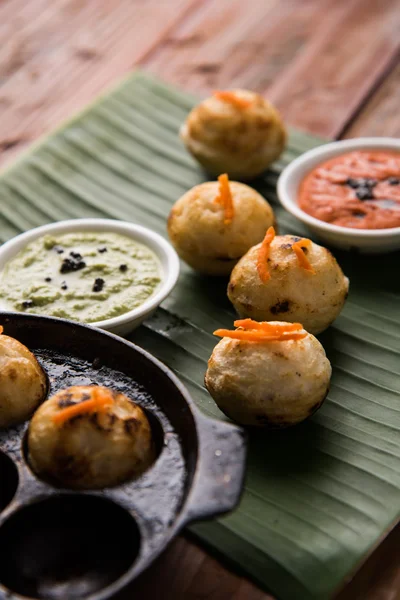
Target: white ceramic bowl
point(364, 240)
point(162, 249)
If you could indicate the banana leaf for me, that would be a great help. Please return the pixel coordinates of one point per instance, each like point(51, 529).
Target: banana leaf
point(319, 496)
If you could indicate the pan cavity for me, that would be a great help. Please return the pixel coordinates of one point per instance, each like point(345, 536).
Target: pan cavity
point(8, 480)
point(67, 546)
point(157, 432)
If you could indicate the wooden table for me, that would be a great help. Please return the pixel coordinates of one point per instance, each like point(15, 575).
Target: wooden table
point(330, 66)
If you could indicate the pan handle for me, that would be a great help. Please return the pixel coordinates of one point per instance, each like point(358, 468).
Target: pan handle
point(220, 469)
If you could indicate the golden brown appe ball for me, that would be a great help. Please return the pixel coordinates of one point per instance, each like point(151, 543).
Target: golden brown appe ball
point(268, 383)
point(291, 293)
point(89, 437)
point(236, 132)
point(203, 236)
point(23, 383)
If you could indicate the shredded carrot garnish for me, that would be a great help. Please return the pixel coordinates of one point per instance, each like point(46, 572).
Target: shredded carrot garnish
point(267, 326)
point(232, 98)
point(254, 331)
point(225, 198)
point(99, 401)
point(257, 336)
point(301, 257)
point(263, 255)
point(1, 329)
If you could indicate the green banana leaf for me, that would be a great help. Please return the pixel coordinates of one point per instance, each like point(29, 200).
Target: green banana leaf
point(318, 496)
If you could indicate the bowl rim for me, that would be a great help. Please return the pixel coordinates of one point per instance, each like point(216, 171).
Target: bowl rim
point(301, 165)
point(161, 247)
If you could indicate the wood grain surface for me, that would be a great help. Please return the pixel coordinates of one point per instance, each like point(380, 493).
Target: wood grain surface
point(317, 60)
point(57, 55)
point(381, 114)
point(331, 66)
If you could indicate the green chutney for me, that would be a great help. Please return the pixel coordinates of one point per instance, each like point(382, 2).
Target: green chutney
point(84, 276)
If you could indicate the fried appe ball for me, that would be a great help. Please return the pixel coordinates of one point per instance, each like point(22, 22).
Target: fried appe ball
point(89, 449)
point(268, 384)
point(236, 132)
point(199, 232)
point(23, 383)
point(291, 293)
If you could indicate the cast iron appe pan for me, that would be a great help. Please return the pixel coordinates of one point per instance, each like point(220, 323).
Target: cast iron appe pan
point(45, 552)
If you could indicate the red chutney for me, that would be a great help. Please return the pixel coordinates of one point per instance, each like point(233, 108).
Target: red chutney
point(360, 189)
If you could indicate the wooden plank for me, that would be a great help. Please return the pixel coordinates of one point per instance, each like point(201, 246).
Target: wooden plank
point(326, 85)
point(57, 56)
point(381, 114)
point(317, 60)
point(187, 573)
point(231, 43)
